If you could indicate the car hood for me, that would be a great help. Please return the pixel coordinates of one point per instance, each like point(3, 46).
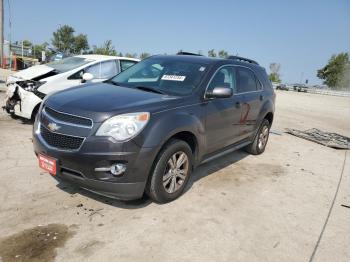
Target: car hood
point(101, 101)
point(30, 73)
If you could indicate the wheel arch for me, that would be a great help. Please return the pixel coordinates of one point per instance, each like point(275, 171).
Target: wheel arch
point(35, 111)
point(269, 117)
point(187, 137)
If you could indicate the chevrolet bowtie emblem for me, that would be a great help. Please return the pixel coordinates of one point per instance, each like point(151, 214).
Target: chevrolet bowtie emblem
point(53, 127)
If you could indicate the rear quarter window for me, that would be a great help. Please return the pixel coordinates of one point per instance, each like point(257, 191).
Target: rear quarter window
point(246, 80)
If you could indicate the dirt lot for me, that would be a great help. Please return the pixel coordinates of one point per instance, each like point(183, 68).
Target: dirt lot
point(238, 208)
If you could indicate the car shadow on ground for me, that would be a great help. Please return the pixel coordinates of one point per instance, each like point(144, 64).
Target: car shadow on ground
point(201, 172)
point(215, 165)
point(130, 204)
point(21, 120)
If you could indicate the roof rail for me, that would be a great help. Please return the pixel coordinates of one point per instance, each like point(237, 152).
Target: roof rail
point(187, 53)
point(243, 59)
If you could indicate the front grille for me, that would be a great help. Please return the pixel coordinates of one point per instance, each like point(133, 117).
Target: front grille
point(77, 120)
point(60, 141)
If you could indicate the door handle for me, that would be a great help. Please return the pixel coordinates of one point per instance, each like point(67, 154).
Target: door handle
point(238, 104)
point(261, 97)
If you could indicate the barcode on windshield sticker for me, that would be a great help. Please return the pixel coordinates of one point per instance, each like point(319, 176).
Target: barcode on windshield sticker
point(173, 78)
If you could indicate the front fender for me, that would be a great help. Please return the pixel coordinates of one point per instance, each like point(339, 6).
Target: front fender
point(167, 124)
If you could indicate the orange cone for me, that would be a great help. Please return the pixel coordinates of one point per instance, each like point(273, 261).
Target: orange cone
point(14, 63)
point(4, 62)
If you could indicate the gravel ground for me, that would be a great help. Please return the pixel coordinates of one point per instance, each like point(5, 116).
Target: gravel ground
point(272, 207)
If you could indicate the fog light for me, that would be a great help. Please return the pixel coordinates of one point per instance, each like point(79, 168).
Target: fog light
point(118, 169)
point(115, 169)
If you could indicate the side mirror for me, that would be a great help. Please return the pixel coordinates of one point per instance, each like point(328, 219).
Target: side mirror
point(219, 92)
point(87, 77)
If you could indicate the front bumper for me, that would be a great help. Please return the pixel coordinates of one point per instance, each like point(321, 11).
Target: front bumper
point(78, 167)
point(20, 102)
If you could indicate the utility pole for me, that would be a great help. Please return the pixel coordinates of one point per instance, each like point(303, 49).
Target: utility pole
point(1, 31)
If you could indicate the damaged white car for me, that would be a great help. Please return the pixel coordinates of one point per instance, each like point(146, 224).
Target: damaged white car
point(27, 88)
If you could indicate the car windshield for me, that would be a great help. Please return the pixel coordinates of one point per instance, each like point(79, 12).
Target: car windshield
point(163, 75)
point(69, 63)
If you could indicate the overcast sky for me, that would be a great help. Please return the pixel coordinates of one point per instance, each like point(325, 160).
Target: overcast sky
point(300, 35)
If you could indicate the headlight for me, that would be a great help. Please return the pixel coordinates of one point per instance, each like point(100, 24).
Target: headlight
point(30, 86)
point(124, 127)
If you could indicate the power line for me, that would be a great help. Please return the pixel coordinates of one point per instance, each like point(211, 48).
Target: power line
point(10, 20)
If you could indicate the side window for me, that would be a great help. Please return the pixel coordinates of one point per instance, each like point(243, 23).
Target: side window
point(94, 70)
point(225, 77)
point(76, 76)
point(108, 69)
point(125, 64)
point(259, 85)
point(246, 80)
point(103, 70)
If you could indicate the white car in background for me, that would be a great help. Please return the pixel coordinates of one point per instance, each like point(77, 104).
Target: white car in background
point(27, 88)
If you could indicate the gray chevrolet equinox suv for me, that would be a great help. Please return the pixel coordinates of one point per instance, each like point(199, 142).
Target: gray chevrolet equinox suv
point(146, 129)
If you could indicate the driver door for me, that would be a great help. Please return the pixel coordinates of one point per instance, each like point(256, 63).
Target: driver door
point(223, 116)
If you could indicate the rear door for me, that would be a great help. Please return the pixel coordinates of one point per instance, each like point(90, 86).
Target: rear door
point(250, 87)
point(103, 70)
point(223, 114)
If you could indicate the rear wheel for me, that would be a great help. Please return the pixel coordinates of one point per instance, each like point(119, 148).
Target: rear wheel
point(172, 170)
point(259, 144)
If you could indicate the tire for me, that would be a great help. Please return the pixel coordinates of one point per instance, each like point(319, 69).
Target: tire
point(166, 181)
point(260, 141)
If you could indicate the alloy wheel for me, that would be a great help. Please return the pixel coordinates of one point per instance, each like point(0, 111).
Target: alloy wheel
point(263, 137)
point(175, 172)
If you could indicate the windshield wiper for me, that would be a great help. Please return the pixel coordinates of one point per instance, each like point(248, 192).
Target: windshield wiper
point(149, 89)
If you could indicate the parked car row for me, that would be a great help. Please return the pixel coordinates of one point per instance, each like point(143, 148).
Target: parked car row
point(294, 87)
point(280, 86)
point(147, 128)
point(27, 88)
point(300, 87)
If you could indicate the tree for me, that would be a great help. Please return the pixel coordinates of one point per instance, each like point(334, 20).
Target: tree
point(26, 43)
point(106, 49)
point(223, 54)
point(144, 55)
point(336, 73)
point(275, 72)
point(80, 43)
point(345, 79)
point(211, 53)
point(63, 39)
point(134, 55)
point(37, 50)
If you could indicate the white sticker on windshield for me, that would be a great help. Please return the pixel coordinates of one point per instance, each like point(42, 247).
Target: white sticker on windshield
point(202, 68)
point(173, 78)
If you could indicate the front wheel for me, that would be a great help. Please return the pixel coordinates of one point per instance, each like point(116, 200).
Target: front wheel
point(259, 144)
point(172, 170)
